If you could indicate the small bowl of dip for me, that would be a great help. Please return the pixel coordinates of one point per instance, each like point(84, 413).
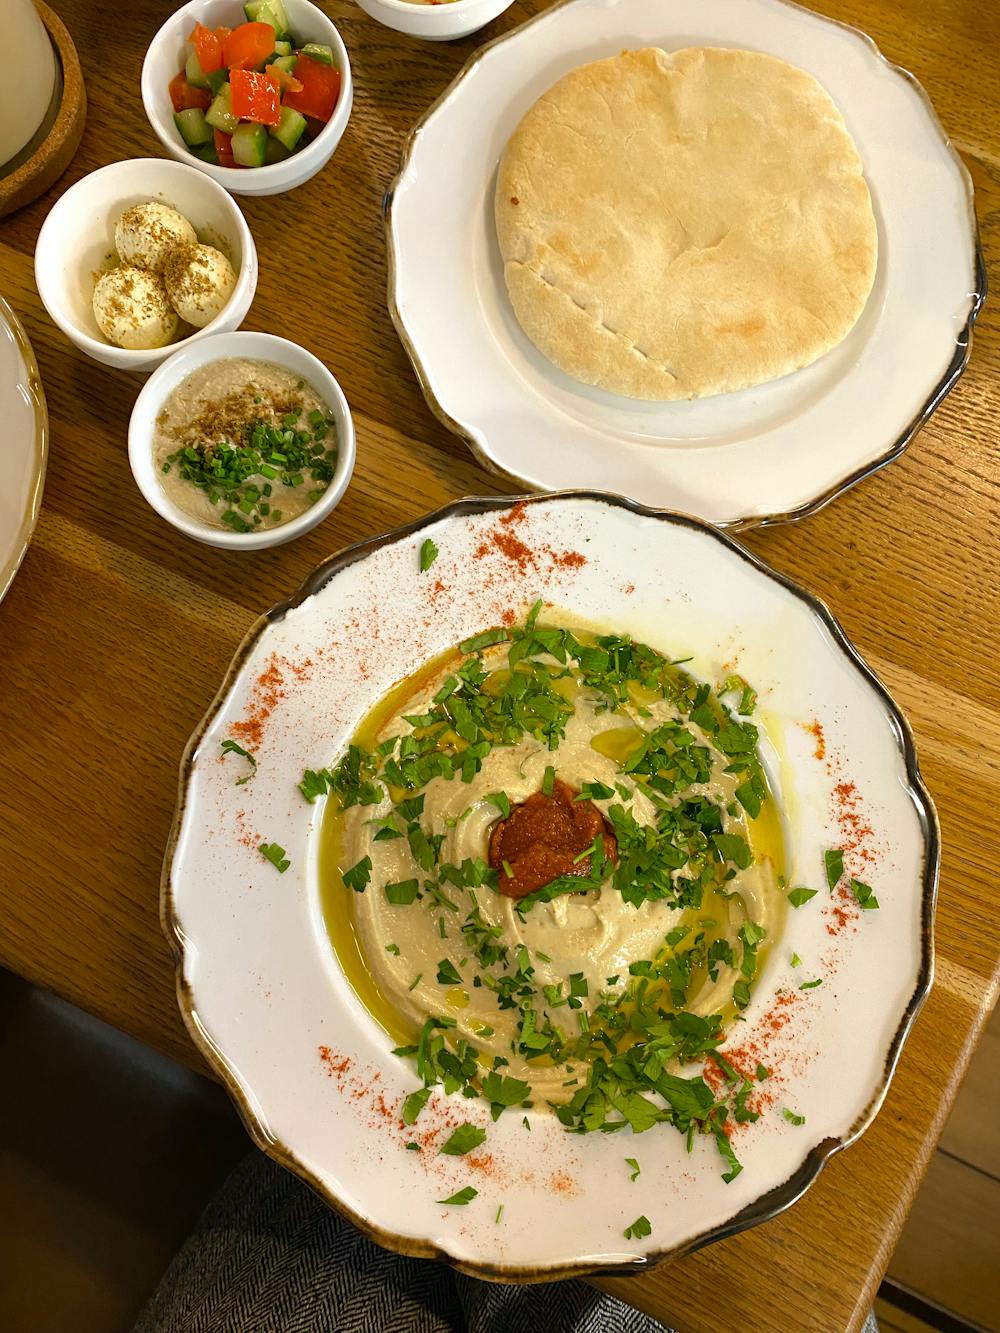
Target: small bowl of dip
point(76, 247)
point(433, 20)
point(243, 441)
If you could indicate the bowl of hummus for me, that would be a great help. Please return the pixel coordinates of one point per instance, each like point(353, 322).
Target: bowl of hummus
point(245, 440)
point(555, 865)
point(563, 847)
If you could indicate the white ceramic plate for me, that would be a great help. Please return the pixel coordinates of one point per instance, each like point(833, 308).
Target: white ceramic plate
point(23, 444)
point(313, 1074)
point(775, 452)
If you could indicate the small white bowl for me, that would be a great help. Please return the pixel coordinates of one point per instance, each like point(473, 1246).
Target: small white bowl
point(79, 234)
point(435, 23)
point(166, 56)
point(254, 347)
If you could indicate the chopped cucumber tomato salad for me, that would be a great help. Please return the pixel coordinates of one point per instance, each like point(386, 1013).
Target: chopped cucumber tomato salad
point(250, 96)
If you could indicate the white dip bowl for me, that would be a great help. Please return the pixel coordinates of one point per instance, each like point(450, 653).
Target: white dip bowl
point(254, 347)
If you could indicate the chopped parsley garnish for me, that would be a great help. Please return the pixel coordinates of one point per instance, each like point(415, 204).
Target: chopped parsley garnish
point(811, 985)
point(414, 1104)
point(402, 892)
point(797, 897)
point(795, 960)
point(428, 554)
point(502, 803)
point(413, 1147)
point(628, 1055)
point(639, 1228)
point(275, 854)
point(463, 1140)
point(864, 895)
point(447, 973)
point(503, 1091)
point(748, 697)
point(833, 862)
point(499, 1215)
point(358, 876)
point(633, 1166)
point(463, 1196)
point(231, 747)
point(792, 1118)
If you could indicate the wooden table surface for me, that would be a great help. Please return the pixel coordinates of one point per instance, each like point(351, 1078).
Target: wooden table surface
point(117, 630)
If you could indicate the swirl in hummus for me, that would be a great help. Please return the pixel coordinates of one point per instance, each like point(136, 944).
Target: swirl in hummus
point(552, 866)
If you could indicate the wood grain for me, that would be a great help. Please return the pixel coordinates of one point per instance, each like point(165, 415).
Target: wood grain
point(117, 631)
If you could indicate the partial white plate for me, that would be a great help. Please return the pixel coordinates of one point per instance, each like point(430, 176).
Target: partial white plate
point(23, 444)
point(266, 1000)
point(765, 455)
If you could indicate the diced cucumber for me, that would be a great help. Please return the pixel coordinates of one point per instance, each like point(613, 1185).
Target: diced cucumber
point(192, 72)
point(220, 114)
point(207, 153)
point(317, 51)
point(267, 11)
point(289, 128)
point(194, 128)
point(249, 144)
point(287, 63)
point(276, 152)
point(194, 75)
point(283, 48)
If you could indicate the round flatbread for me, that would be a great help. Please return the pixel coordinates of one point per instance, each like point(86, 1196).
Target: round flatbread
point(674, 226)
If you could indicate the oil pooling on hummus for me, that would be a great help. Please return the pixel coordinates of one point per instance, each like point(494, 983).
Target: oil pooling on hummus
point(551, 867)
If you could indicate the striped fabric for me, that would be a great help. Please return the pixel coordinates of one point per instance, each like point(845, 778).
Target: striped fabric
point(268, 1256)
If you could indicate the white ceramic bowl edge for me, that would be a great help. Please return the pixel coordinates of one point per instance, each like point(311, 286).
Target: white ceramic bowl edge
point(435, 22)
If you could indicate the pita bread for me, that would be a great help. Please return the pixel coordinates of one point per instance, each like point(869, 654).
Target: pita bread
point(675, 226)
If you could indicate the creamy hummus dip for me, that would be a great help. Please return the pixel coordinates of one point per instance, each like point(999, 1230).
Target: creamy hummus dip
point(555, 857)
point(244, 444)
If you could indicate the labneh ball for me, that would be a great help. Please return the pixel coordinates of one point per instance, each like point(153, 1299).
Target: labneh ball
point(133, 310)
point(146, 234)
point(200, 280)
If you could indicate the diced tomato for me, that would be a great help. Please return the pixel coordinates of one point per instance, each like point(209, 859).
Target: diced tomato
point(320, 88)
point(248, 45)
point(282, 80)
point(255, 97)
point(222, 33)
point(184, 95)
point(224, 148)
point(207, 48)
